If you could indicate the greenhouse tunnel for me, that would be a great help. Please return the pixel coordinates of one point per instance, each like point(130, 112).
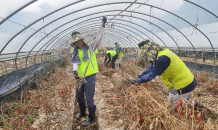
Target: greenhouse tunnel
point(36, 53)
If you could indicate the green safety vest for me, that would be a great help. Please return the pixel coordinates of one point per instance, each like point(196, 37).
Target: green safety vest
point(177, 75)
point(112, 53)
point(120, 54)
point(93, 65)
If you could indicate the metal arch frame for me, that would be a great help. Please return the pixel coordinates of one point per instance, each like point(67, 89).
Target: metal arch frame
point(89, 15)
point(81, 1)
point(70, 27)
point(48, 33)
point(111, 11)
point(60, 26)
point(57, 42)
point(132, 23)
point(93, 18)
point(104, 38)
point(38, 21)
point(201, 8)
point(134, 28)
point(69, 37)
point(167, 24)
point(119, 32)
point(64, 36)
point(122, 3)
point(84, 31)
point(182, 19)
point(74, 20)
point(74, 25)
point(70, 32)
point(53, 21)
point(122, 37)
point(145, 29)
point(24, 6)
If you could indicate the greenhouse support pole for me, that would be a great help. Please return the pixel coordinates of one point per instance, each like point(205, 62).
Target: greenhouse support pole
point(136, 62)
point(202, 57)
point(46, 56)
point(122, 89)
point(31, 61)
point(20, 64)
point(18, 77)
point(41, 58)
point(187, 55)
point(27, 73)
point(5, 67)
point(35, 68)
point(50, 63)
point(14, 65)
point(214, 67)
point(195, 61)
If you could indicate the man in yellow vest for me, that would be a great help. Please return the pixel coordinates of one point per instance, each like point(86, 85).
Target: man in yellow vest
point(81, 55)
point(171, 69)
point(119, 52)
point(111, 54)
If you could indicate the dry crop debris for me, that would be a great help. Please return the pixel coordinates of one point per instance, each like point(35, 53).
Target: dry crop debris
point(145, 106)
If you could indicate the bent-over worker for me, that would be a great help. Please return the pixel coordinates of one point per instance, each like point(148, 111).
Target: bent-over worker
point(111, 54)
point(171, 69)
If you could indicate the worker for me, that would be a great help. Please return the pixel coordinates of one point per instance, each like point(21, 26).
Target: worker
point(80, 60)
point(111, 54)
point(171, 69)
point(120, 53)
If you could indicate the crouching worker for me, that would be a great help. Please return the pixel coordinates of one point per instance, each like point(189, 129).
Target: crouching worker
point(171, 69)
point(120, 53)
point(80, 59)
point(111, 54)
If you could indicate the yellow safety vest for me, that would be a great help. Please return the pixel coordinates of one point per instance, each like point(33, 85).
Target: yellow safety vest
point(93, 65)
point(177, 75)
point(112, 53)
point(96, 51)
point(120, 54)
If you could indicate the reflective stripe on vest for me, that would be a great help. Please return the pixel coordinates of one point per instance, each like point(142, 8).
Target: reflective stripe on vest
point(112, 53)
point(120, 54)
point(177, 75)
point(93, 65)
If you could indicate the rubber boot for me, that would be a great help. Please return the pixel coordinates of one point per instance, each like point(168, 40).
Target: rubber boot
point(82, 109)
point(91, 117)
point(119, 66)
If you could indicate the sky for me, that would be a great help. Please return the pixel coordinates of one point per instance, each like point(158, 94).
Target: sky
point(128, 30)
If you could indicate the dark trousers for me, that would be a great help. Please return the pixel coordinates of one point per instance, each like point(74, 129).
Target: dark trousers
point(88, 87)
point(113, 61)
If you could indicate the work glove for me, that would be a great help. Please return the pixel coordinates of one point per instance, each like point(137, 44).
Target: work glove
point(76, 75)
point(104, 20)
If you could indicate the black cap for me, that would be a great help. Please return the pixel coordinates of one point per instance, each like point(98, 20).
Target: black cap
point(74, 33)
point(143, 43)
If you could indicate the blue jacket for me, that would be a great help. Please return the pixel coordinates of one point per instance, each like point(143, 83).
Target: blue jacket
point(118, 49)
point(146, 75)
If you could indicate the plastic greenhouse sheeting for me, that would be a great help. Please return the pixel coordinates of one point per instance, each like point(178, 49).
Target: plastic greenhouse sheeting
point(11, 87)
point(41, 25)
